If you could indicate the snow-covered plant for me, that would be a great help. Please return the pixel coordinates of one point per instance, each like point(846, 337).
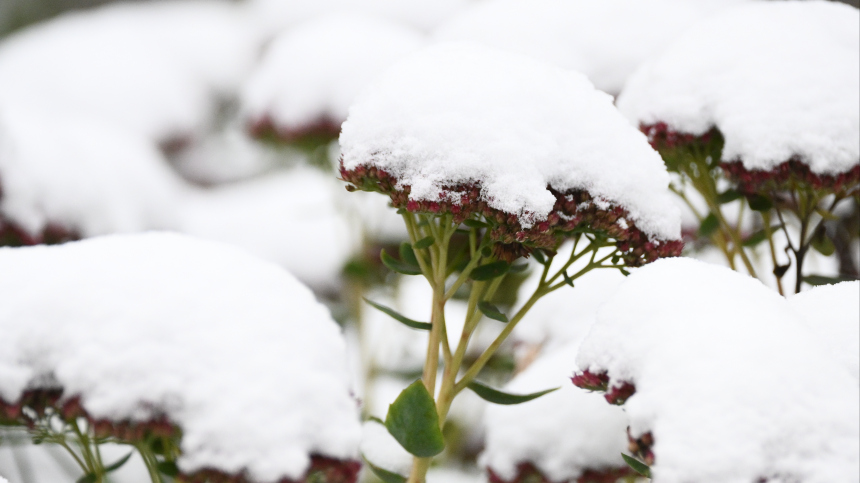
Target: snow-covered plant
point(514, 156)
point(761, 98)
point(740, 390)
point(213, 365)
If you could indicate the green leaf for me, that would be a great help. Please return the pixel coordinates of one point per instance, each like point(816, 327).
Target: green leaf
point(376, 420)
point(383, 474)
point(168, 468)
point(816, 280)
point(780, 270)
point(637, 465)
point(567, 278)
point(475, 224)
point(414, 423)
point(624, 272)
point(728, 196)
point(492, 311)
point(414, 324)
point(823, 244)
point(539, 256)
point(759, 236)
point(424, 243)
point(88, 478)
point(709, 225)
point(398, 266)
point(495, 396)
point(760, 203)
point(407, 254)
point(522, 267)
point(118, 463)
point(490, 271)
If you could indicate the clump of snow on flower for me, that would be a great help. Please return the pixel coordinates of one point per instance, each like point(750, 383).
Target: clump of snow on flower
point(779, 79)
point(313, 73)
point(562, 433)
point(154, 67)
point(290, 218)
point(274, 15)
point(729, 380)
point(606, 40)
point(460, 113)
point(832, 312)
point(82, 174)
point(232, 349)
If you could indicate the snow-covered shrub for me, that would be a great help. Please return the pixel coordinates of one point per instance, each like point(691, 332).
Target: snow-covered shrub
point(604, 39)
point(722, 379)
point(523, 155)
point(214, 365)
point(765, 96)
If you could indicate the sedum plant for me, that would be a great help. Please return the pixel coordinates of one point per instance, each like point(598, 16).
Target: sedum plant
point(515, 156)
point(780, 138)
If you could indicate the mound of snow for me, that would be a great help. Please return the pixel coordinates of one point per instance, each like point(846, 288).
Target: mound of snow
point(779, 79)
point(604, 39)
point(234, 350)
point(312, 74)
point(460, 113)
point(729, 380)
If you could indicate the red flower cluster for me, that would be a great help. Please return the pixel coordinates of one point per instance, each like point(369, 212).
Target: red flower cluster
point(35, 404)
point(574, 212)
point(324, 130)
point(615, 393)
point(641, 447)
point(527, 473)
point(790, 173)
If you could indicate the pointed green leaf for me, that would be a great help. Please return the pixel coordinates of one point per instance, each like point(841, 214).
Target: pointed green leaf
point(780, 270)
point(490, 271)
point(816, 280)
point(383, 474)
point(424, 243)
point(567, 278)
point(492, 311)
point(118, 464)
point(760, 203)
point(709, 225)
point(398, 266)
point(407, 254)
point(624, 272)
point(414, 423)
point(475, 224)
point(168, 468)
point(539, 257)
point(823, 244)
point(728, 196)
point(637, 465)
point(495, 396)
point(88, 478)
point(522, 267)
point(414, 324)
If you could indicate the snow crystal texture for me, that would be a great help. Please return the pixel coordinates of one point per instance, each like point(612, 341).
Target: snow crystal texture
point(779, 79)
point(562, 433)
point(460, 113)
point(315, 71)
point(232, 349)
point(729, 380)
point(604, 39)
point(832, 312)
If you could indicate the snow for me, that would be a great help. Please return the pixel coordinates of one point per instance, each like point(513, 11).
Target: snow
point(779, 79)
point(234, 350)
point(729, 380)
point(562, 433)
point(81, 173)
point(832, 312)
point(275, 15)
point(604, 39)
point(152, 67)
point(459, 113)
point(288, 217)
point(382, 450)
point(313, 72)
point(3, 480)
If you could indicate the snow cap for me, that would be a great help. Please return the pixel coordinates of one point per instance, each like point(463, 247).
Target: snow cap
point(779, 79)
point(730, 383)
point(563, 433)
point(233, 350)
point(833, 313)
point(458, 114)
point(310, 75)
point(604, 39)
